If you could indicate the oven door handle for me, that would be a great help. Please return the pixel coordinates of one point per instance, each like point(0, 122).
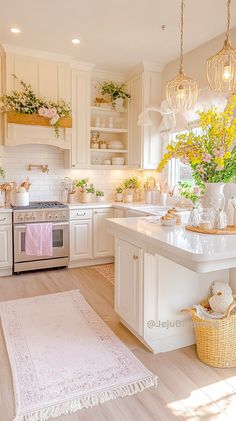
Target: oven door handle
point(53, 225)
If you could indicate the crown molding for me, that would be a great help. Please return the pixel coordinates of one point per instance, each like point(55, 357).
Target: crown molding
point(145, 66)
point(100, 74)
point(8, 48)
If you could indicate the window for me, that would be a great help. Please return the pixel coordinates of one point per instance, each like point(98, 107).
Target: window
point(177, 171)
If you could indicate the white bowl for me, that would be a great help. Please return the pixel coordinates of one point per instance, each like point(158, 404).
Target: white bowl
point(118, 160)
point(168, 222)
point(115, 144)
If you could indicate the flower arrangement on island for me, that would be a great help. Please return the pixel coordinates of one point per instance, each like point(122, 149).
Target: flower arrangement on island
point(26, 102)
point(210, 154)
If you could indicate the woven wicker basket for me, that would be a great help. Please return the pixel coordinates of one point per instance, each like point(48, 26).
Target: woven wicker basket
point(216, 339)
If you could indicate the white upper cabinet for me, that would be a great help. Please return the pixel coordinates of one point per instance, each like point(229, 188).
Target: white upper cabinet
point(135, 131)
point(49, 79)
point(78, 157)
point(144, 141)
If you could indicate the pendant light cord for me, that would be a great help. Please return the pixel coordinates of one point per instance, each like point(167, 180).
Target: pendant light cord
point(228, 19)
point(182, 34)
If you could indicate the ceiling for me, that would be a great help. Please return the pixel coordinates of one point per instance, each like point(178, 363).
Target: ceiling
point(114, 34)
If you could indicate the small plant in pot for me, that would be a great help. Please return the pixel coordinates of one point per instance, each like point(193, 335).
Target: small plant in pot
point(116, 93)
point(99, 196)
point(86, 190)
point(131, 185)
point(119, 194)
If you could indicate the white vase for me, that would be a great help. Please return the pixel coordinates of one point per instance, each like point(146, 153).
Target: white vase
point(119, 102)
point(119, 197)
point(100, 198)
point(214, 196)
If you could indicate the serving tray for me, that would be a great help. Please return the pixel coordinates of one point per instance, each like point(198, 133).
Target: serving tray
point(229, 230)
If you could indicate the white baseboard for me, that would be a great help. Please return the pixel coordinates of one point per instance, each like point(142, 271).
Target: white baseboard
point(90, 262)
point(6, 272)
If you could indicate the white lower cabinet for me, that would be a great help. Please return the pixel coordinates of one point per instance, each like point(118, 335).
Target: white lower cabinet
point(103, 242)
point(128, 285)
point(81, 240)
point(89, 240)
point(5, 245)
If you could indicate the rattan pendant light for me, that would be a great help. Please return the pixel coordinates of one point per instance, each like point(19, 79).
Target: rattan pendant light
point(221, 68)
point(182, 91)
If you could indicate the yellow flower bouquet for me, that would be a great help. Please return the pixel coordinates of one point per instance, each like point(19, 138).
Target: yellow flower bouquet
point(211, 154)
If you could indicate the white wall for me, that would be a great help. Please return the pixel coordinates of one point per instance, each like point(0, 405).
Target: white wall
point(15, 161)
point(195, 60)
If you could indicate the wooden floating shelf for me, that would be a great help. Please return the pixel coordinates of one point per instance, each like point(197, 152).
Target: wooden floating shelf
point(229, 230)
point(108, 130)
point(109, 150)
point(36, 120)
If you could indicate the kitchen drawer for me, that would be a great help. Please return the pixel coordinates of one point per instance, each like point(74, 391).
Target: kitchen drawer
point(5, 218)
point(80, 214)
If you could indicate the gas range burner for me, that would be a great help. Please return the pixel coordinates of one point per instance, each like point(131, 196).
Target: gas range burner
point(42, 205)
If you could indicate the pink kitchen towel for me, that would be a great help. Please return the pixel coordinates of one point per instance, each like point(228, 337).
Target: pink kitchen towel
point(38, 240)
point(47, 239)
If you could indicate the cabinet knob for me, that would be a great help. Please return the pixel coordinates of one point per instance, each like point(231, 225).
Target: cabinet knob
point(3, 219)
point(73, 165)
point(135, 257)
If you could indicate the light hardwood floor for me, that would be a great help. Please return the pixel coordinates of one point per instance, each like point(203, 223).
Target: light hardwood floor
point(187, 389)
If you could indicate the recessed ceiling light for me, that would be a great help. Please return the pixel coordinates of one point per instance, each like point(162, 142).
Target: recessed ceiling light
point(15, 30)
point(75, 41)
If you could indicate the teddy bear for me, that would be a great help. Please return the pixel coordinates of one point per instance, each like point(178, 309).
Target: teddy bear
point(222, 297)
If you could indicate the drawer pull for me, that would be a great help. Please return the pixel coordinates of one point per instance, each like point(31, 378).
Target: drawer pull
point(135, 257)
point(81, 214)
point(3, 219)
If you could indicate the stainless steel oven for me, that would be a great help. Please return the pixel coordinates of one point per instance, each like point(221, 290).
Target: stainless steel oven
point(60, 239)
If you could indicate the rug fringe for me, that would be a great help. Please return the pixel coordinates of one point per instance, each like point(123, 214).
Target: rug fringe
point(88, 402)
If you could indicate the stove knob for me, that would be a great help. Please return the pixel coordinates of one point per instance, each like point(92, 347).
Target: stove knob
point(63, 215)
point(49, 216)
point(20, 218)
point(32, 217)
point(56, 216)
point(27, 217)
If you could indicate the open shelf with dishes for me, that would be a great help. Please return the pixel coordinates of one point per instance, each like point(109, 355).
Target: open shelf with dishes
point(108, 133)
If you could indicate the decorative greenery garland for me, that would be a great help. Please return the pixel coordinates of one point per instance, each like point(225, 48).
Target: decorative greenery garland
point(26, 102)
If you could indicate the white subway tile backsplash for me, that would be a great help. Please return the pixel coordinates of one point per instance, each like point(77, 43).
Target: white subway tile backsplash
point(15, 161)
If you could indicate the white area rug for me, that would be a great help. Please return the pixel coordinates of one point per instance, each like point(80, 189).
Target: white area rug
point(64, 357)
point(108, 271)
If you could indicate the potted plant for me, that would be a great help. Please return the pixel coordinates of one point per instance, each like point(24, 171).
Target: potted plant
point(116, 93)
point(130, 186)
point(99, 196)
point(34, 110)
point(119, 194)
point(211, 154)
point(85, 190)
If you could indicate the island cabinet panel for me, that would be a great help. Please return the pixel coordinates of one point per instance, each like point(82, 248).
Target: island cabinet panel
point(103, 243)
point(128, 285)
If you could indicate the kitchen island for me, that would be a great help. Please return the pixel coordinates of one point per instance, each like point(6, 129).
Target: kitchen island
point(159, 271)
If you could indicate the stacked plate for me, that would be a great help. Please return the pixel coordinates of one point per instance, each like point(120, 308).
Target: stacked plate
point(118, 160)
point(115, 144)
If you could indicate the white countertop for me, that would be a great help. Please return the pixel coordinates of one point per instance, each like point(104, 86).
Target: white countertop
point(137, 206)
point(198, 252)
point(4, 209)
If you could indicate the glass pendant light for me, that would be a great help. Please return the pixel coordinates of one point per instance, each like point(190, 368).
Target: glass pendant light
point(221, 68)
point(182, 91)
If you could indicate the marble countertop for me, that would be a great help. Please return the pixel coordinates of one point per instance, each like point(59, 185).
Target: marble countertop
point(198, 252)
point(4, 209)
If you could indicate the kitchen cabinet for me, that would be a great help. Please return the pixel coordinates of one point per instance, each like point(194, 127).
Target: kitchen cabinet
point(128, 285)
point(5, 244)
point(103, 243)
point(145, 145)
point(81, 240)
point(119, 213)
point(78, 157)
point(49, 79)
